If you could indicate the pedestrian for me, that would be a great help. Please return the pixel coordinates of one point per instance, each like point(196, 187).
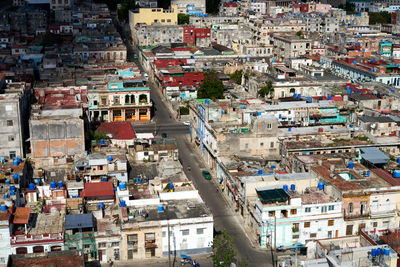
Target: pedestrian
point(217, 188)
point(222, 188)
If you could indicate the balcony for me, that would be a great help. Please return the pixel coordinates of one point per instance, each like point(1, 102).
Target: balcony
point(383, 213)
point(355, 215)
point(151, 243)
point(14, 240)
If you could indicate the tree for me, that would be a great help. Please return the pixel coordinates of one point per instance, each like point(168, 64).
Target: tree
point(211, 87)
point(183, 18)
point(236, 76)
point(379, 17)
point(223, 251)
point(98, 135)
point(299, 33)
point(266, 90)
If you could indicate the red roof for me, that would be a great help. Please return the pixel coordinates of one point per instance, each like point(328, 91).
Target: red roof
point(119, 130)
point(99, 189)
point(385, 175)
point(21, 215)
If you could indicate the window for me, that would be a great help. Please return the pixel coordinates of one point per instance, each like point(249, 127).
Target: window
point(115, 244)
point(293, 211)
point(308, 210)
point(374, 224)
point(246, 145)
point(168, 20)
point(87, 246)
point(164, 234)
point(13, 154)
point(313, 235)
point(200, 231)
point(350, 208)
point(331, 222)
point(102, 245)
point(269, 125)
point(307, 225)
point(272, 145)
point(261, 144)
point(185, 232)
point(10, 122)
point(116, 99)
point(132, 245)
point(324, 209)
point(271, 213)
point(296, 227)
point(11, 138)
point(116, 254)
point(331, 207)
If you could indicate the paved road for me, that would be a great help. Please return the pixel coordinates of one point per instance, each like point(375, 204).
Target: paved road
point(224, 217)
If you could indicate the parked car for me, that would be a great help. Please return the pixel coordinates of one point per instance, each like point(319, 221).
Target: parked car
point(164, 135)
point(206, 175)
point(297, 246)
point(281, 248)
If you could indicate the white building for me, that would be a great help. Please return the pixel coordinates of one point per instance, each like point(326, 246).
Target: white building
point(5, 248)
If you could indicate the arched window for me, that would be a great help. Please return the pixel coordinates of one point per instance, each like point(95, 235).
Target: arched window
point(143, 98)
point(126, 99)
point(132, 99)
point(350, 207)
point(292, 91)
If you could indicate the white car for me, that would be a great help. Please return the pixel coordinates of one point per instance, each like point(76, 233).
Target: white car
point(186, 123)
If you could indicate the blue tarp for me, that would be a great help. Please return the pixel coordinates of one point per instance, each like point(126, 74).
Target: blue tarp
point(76, 221)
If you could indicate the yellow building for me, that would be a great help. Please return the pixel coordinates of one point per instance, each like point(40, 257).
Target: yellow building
point(153, 15)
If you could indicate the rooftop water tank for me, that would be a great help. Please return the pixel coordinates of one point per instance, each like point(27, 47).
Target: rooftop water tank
point(60, 184)
point(12, 193)
point(160, 208)
point(3, 207)
point(110, 158)
point(368, 173)
point(260, 171)
point(292, 187)
point(31, 186)
point(122, 186)
point(321, 185)
point(398, 160)
point(396, 174)
point(7, 181)
point(53, 185)
point(104, 179)
point(123, 204)
point(101, 142)
point(351, 164)
point(16, 176)
point(386, 251)
point(101, 205)
point(373, 252)
point(285, 187)
point(12, 188)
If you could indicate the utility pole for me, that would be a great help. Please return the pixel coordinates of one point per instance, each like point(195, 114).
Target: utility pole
point(275, 260)
point(169, 246)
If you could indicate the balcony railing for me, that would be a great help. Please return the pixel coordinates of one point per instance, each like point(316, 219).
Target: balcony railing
point(35, 238)
point(356, 215)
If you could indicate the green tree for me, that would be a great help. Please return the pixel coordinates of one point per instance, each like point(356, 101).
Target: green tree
point(223, 251)
point(299, 33)
point(379, 17)
point(266, 90)
point(236, 76)
point(183, 18)
point(99, 136)
point(123, 11)
point(211, 87)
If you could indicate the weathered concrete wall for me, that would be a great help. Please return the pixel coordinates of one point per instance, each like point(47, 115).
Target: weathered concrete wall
point(10, 128)
point(57, 138)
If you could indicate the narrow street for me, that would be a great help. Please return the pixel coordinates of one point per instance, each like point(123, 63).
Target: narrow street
point(224, 216)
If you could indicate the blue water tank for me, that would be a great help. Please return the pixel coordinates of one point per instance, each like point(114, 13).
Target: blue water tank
point(285, 187)
point(31, 186)
point(398, 160)
point(171, 185)
point(53, 185)
point(368, 173)
point(131, 69)
point(273, 61)
point(347, 87)
point(321, 185)
point(223, 111)
point(7, 181)
point(122, 186)
point(86, 153)
point(115, 189)
point(3, 207)
point(260, 171)
point(354, 61)
point(15, 162)
point(12, 188)
point(292, 187)
point(243, 106)
point(396, 174)
point(6, 195)
point(329, 97)
point(101, 142)
point(380, 251)
point(373, 252)
point(364, 173)
point(104, 179)
point(19, 160)
point(290, 129)
point(110, 158)
point(386, 251)
point(160, 208)
point(16, 176)
point(12, 193)
point(299, 96)
point(101, 205)
point(123, 204)
point(294, 95)
point(60, 184)
point(78, 179)
point(351, 164)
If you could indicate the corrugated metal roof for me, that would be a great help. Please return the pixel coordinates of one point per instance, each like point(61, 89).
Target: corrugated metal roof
point(77, 221)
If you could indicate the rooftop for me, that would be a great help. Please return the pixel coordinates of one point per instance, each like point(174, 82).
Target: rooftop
point(99, 189)
point(77, 221)
point(21, 215)
point(48, 223)
point(53, 258)
point(118, 130)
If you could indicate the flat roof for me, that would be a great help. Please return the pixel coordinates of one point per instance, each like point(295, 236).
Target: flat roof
point(76, 221)
point(48, 223)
